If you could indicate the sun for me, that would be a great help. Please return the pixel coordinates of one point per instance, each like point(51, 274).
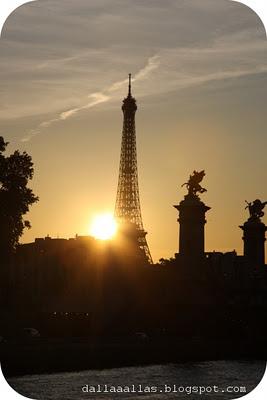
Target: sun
point(103, 226)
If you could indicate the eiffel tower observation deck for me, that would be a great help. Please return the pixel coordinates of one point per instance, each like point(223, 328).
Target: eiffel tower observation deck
point(127, 208)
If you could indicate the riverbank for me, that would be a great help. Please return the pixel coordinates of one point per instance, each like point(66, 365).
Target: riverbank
point(239, 376)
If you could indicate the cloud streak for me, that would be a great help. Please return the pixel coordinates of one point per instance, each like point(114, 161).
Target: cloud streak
point(96, 98)
point(52, 69)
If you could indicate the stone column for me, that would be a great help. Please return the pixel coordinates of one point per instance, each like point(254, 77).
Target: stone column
point(192, 222)
point(254, 239)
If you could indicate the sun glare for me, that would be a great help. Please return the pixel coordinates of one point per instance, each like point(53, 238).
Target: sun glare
point(103, 226)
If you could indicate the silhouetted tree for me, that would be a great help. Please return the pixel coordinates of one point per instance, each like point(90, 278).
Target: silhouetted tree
point(15, 197)
point(165, 262)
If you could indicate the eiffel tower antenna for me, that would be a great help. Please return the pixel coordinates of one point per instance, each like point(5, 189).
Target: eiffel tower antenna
point(130, 85)
point(127, 206)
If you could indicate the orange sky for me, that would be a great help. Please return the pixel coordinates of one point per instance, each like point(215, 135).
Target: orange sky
point(199, 72)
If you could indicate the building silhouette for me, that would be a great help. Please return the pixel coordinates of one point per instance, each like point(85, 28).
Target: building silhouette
point(127, 207)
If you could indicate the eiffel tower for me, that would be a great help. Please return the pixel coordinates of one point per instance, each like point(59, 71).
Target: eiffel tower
point(127, 206)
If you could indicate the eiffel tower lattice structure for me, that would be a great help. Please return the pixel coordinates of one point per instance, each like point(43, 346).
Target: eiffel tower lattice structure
point(127, 208)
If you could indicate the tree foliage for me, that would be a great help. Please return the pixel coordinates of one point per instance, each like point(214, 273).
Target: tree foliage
point(15, 197)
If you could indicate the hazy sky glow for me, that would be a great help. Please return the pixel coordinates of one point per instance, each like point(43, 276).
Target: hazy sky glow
point(200, 75)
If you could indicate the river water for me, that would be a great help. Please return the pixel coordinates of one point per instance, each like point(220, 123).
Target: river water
point(214, 379)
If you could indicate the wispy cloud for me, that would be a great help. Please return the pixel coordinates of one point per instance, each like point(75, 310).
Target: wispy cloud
point(219, 76)
point(96, 98)
point(152, 64)
point(222, 60)
point(51, 69)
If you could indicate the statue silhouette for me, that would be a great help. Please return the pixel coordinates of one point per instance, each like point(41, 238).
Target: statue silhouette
point(193, 184)
point(256, 208)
